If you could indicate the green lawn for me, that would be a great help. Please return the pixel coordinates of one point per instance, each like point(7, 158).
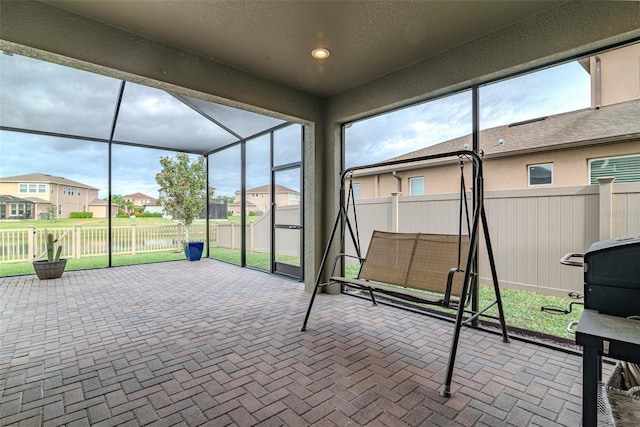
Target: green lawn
point(85, 222)
point(236, 218)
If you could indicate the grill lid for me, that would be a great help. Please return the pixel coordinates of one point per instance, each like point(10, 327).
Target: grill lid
point(612, 277)
point(614, 262)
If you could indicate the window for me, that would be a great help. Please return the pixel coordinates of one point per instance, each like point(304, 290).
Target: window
point(32, 188)
point(416, 186)
point(356, 191)
point(17, 209)
point(71, 191)
point(78, 191)
point(541, 174)
point(623, 168)
point(59, 209)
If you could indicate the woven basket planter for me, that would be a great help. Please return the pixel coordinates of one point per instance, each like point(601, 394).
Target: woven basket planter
point(49, 270)
point(625, 405)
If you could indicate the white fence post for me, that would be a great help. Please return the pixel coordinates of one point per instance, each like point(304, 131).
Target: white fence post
point(606, 207)
point(251, 231)
point(32, 243)
point(77, 242)
point(395, 213)
point(133, 239)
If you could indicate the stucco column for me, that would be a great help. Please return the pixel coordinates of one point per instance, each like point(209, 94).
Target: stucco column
point(395, 211)
point(606, 207)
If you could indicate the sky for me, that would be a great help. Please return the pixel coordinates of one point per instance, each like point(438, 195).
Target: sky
point(49, 97)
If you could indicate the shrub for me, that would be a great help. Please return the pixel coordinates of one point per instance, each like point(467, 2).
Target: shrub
point(122, 215)
point(81, 215)
point(150, 215)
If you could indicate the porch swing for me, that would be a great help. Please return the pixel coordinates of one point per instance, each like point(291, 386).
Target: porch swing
point(434, 269)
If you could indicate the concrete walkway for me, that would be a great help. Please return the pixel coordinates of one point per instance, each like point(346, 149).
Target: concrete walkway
point(207, 343)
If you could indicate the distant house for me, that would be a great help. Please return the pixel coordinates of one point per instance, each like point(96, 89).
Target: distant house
point(259, 199)
point(139, 200)
point(37, 192)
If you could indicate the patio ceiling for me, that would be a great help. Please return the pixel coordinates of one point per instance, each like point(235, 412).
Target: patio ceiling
point(274, 39)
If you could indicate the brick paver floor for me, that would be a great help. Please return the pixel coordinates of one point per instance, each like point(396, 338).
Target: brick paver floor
point(207, 343)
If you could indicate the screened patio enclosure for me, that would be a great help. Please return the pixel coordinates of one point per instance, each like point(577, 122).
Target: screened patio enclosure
point(107, 134)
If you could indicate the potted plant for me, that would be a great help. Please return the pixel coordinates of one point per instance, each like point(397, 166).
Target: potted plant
point(53, 266)
point(183, 183)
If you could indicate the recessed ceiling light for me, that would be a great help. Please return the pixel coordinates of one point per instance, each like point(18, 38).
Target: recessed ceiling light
point(320, 53)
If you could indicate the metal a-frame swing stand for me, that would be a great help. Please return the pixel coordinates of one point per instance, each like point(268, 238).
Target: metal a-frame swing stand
point(470, 283)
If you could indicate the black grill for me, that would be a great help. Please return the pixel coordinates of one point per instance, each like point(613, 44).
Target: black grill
point(612, 277)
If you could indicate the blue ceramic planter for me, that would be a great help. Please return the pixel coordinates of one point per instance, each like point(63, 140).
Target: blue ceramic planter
point(193, 250)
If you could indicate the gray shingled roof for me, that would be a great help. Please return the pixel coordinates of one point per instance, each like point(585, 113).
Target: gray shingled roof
point(6, 198)
point(98, 202)
point(45, 178)
point(613, 123)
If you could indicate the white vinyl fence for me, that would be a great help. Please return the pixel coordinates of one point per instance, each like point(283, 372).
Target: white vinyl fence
point(259, 234)
point(28, 244)
point(530, 230)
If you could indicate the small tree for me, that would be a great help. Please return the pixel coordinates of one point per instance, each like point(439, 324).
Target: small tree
point(51, 212)
point(184, 184)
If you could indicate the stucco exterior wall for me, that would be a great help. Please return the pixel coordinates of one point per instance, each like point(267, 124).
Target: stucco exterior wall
point(620, 75)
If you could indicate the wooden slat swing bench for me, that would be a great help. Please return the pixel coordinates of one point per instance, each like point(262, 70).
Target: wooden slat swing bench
point(418, 267)
point(436, 269)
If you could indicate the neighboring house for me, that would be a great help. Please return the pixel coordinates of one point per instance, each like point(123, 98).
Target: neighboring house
point(574, 148)
point(139, 200)
point(42, 191)
point(259, 199)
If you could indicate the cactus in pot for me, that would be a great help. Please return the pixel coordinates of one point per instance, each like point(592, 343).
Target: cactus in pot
point(53, 266)
point(51, 256)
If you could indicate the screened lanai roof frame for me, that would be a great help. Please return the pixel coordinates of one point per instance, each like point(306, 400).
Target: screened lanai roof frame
point(231, 125)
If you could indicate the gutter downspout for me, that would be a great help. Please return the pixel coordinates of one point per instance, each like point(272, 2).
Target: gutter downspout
point(598, 83)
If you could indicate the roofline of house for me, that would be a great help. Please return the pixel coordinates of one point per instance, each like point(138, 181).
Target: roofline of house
point(50, 180)
point(412, 164)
